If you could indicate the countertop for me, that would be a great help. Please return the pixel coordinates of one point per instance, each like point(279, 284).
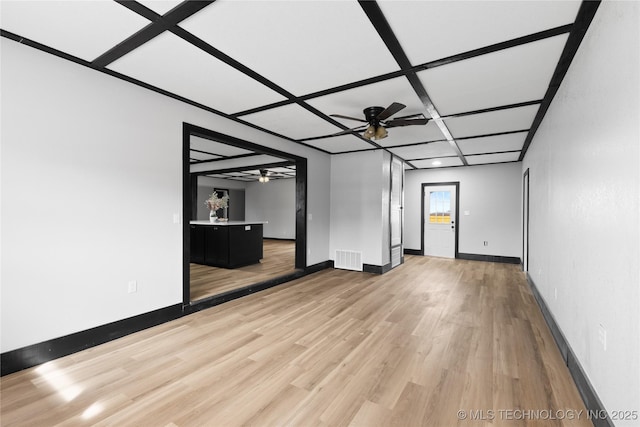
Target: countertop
point(225, 223)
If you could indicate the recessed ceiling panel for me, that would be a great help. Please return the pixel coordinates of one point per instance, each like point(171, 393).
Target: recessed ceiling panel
point(303, 46)
point(172, 64)
point(411, 134)
point(492, 122)
point(509, 76)
point(424, 151)
point(199, 156)
point(430, 30)
point(160, 6)
point(352, 102)
point(493, 158)
point(437, 163)
point(292, 121)
point(340, 144)
point(85, 29)
point(214, 147)
point(492, 144)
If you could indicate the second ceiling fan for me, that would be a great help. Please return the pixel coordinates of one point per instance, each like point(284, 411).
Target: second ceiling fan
point(376, 121)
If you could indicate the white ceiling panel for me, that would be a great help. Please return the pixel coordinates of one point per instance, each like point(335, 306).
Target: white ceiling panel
point(493, 158)
point(412, 134)
point(203, 144)
point(160, 6)
point(505, 77)
point(303, 46)
point(171, 63)
point(437, 163)
point(492, 144)
point(340, 144)
point(292, 121)
point(492, 122)
point(85, 29)
point(202, 156)
point(430, 30)
point(424, 151)
point(352, 102)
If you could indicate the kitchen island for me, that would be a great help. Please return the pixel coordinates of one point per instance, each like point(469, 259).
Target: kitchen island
point(226, 244)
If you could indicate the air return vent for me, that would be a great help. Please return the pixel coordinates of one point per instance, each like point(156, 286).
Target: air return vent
point(348, 260)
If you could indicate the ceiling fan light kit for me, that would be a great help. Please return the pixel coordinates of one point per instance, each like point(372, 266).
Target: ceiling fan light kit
point(263, 176)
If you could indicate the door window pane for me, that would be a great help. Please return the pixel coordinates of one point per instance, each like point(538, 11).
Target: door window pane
point(440, 207)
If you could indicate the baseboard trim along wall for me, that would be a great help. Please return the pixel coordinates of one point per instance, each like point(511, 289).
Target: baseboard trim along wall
point(376, 269)
point(474, 257)
point(490, 258)
point(412, 251)
point(589, 396)
point(36, 354)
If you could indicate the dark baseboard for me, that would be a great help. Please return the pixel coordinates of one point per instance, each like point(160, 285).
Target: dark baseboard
point(587, 392)
point(36, 354)
point(489, 258)
point(376, 269)
point(412, 251)
point(247, 290)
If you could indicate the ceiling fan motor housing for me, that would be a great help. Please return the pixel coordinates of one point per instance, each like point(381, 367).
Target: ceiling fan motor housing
point(371, 114)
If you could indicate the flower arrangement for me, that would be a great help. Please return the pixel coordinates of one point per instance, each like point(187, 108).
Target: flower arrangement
point(214, 202)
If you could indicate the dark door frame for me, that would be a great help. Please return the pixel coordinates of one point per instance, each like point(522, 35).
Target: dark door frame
point(525, 220)
point(457, 224)
point(189, 130)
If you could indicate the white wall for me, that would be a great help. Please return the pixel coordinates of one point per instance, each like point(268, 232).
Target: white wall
point(91, 179)
point(585, 211)
point(274, 202)
point(206, 185)
point(491, 195)
point(357, 183)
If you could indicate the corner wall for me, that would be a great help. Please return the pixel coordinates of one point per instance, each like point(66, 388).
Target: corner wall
point(489, 207)
point(91, 181)
point(584, 167)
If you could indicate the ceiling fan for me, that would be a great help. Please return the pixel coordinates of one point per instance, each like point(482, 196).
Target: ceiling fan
point(376, 121)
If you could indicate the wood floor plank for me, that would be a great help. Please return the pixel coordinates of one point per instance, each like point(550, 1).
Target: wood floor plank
point(278, 259)
point(411, 347)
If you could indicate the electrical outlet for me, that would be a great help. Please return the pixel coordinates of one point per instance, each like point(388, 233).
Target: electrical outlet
point(133, 286)
point(486, 243)
point(602, 336)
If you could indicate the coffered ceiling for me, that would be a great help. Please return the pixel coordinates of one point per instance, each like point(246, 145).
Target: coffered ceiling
point(482, 72)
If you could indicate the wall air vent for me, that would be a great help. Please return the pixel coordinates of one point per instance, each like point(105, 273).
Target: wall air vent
point(348, 260)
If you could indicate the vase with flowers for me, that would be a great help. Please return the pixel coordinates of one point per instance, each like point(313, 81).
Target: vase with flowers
point(215, 203)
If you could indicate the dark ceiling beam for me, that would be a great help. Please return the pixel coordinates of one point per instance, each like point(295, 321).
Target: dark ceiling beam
point(379, 22)
point(492, 109)
point(585, 15)
point(158, 25)
point(427, 65)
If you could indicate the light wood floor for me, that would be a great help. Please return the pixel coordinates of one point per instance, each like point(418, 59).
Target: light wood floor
point(279, 258)
point(408, 348)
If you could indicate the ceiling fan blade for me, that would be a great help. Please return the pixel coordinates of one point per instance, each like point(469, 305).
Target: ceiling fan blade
point(390, 111)
point(347, 117)
point(405, 122)
point(410, 116)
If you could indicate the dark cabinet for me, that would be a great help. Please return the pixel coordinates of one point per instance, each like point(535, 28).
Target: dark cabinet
point(227, 246)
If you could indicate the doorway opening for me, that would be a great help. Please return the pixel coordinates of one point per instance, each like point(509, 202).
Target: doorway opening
point(238, 161)
point(440, 219)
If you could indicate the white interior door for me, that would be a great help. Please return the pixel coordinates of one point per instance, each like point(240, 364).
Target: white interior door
point(439, 221)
